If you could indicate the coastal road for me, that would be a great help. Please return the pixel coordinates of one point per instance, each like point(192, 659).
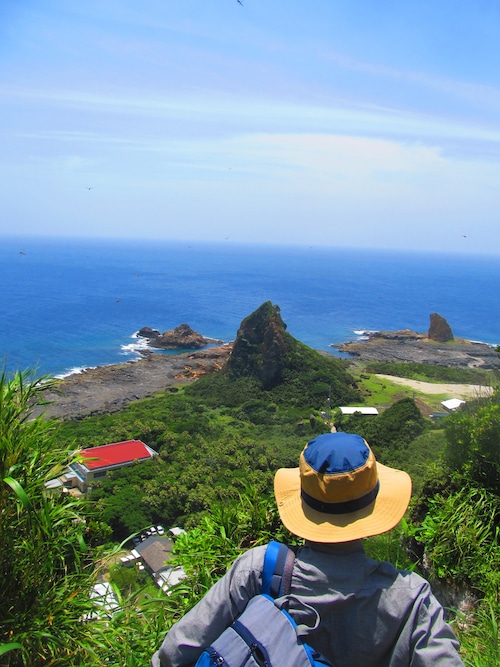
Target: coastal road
point(462, 391)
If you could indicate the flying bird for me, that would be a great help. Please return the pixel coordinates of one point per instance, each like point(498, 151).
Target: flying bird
point(240, 3)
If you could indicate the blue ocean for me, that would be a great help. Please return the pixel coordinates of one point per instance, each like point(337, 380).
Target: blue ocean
point(70, 304)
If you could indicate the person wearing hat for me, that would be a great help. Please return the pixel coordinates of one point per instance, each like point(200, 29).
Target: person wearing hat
point(365, 613)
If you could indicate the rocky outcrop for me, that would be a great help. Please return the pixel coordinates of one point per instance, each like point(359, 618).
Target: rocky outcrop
point(407, 346)
point(108, 389)
point(180, 338)
point(439, 330)
point(147, 332)
point(262, 347)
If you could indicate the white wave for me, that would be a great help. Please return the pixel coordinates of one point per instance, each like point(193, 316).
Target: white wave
point(481, 342)
point(73, 371)
point(136, 348)
point(364, 334)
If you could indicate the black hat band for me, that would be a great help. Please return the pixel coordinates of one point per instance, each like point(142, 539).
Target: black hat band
point(341, 508)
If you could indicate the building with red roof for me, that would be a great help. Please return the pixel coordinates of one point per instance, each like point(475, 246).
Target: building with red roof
point(96, 462)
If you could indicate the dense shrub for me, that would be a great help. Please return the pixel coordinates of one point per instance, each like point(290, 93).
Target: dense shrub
point(45, 563)
point(389, 432)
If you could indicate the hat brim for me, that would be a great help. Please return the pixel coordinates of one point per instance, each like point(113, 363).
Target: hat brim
point(380, 516)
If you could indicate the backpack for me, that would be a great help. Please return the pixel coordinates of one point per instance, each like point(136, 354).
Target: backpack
point(264, 635)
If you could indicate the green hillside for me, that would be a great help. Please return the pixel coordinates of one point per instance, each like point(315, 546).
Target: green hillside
point(220, 441)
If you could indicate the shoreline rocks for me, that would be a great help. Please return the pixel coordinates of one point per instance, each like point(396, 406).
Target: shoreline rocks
point(180, 338)
point(111, 388)
point(409, 346)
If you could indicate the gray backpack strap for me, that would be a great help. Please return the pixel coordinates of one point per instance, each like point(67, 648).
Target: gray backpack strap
point(286, 582)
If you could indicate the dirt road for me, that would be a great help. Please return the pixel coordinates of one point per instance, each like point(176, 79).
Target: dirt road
point(462, 391)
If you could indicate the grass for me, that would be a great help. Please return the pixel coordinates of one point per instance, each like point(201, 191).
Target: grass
point(377, 391)
point(427, 447)
point(381, 393)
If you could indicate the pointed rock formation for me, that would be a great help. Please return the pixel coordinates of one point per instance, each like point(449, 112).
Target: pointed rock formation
point(262, 347)
point(439, 329)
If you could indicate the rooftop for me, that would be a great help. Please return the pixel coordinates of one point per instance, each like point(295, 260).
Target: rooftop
point(115, 454)
point(155, 551)
point(363, 410)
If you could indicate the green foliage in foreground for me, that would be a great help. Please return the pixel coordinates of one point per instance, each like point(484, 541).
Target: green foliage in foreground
point(458, 506)
point(47, 568)
point(44, 558)
point(480, 639)
point(474, 445)
point(461, 536)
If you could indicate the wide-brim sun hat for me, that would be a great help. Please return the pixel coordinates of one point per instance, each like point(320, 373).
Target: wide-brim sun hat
point(339, 492)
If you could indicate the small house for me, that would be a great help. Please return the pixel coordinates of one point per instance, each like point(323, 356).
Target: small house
point(362, 410)
point(452, 404)
point(154, 552)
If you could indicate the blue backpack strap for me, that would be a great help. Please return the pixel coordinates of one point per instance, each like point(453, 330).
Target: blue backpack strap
point(277, 572)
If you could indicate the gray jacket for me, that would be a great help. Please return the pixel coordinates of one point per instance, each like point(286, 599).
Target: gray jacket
point(371, 614)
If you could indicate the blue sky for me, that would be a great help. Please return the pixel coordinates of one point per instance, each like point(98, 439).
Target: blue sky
point(345, 123)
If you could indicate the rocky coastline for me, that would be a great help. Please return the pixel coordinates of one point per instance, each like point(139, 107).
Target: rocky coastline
point(409, 346)
point(111, 388)
point(180, 338)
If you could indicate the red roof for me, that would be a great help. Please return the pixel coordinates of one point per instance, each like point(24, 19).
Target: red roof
point(115, 454)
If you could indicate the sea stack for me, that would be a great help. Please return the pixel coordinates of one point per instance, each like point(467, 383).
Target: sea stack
point(439, 329)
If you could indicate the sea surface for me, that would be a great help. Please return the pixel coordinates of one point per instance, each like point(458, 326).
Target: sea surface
point(69, 304)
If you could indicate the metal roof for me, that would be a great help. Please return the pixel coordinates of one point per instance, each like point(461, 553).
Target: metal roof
point(117, 453)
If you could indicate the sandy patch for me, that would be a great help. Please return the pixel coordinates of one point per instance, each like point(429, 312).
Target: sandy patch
point(462, 391)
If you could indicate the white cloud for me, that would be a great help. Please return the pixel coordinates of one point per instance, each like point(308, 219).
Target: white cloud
point(209, 114)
